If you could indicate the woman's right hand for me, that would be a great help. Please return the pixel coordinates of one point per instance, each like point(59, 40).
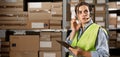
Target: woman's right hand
point(74, 25)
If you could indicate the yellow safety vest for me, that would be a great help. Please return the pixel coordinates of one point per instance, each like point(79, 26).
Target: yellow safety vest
point(87, 40)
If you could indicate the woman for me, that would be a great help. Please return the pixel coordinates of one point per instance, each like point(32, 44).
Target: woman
point(87, 38)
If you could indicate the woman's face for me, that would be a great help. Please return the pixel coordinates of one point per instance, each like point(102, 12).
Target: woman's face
point(83, 14)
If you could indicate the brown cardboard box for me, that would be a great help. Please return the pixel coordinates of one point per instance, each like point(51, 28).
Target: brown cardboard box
point(36, 6)
point(74, 1)
point(56, 8)
point(24, 42)
point(113, 35)
point(112, 20)
point(101, 1)
point(101, 23)
point(56, 11)
point(50, 36)
point(49, 46)
point(11, 7)
point(45, 36)
point(19, 1)
point(118, 44)
point(13, 27)
point(50, 54)
point(90, 1)
point(5, 49)
point(56, 17)
point(118, 5)
point(5, 44)
point(38, 24)
point(118, 24)
point(100, 17)
point(24, 54)
point(112, 6)
point(56, 36)
point(39, 15)
point(100, 9)
point(112, 43)
point(55, 24)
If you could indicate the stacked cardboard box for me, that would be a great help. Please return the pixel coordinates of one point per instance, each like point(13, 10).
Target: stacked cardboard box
point(118, 40)
point(56, 11)
point(47, 14)
point(48, 44)
point(4, 48)
point(12, 15)
point(112, 20)
point(24, 45)
point(100, 14)
point(113, 38)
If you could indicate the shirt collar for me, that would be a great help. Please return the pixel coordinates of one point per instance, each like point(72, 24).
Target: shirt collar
point(88, 24)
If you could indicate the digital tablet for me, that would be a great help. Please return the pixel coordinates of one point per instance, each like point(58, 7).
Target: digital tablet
point(64, 44)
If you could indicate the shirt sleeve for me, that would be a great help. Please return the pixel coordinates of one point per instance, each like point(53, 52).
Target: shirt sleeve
point(102, 48)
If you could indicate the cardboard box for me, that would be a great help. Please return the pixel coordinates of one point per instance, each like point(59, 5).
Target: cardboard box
point(45, 36)
point(118, 18)
point(5, 49)
point(101, 1)
point(24, 54)
point(13, 27)
point(100, 9)
point(90, 1)
point(56, 36)
point(118, 5)
point(101, 23)
point(50, 46)
point(100, 17)
point(7, 1)
point(36, 6)
point(113, 35)
point(55, 24)
point(118, 24)
point(50, 54)
point(112, 43)
point(5, 44)
point(38, 24)
point(56, 8)
point(112, 20)
point(24, 42)
point(112, 6)
point(118, 44)
point(40, 15)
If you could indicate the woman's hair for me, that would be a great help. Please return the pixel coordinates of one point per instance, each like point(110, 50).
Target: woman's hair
point(80, 4)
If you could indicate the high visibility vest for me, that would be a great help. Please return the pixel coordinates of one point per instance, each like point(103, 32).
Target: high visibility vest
point(87, 39)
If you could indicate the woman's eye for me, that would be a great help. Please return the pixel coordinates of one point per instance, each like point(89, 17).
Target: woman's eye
point(86, 11)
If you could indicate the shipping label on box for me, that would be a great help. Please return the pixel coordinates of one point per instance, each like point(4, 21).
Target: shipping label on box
point(45, 44)
point(37, 25)
point(50, 54)
point(49, 46)
point(99, 18)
